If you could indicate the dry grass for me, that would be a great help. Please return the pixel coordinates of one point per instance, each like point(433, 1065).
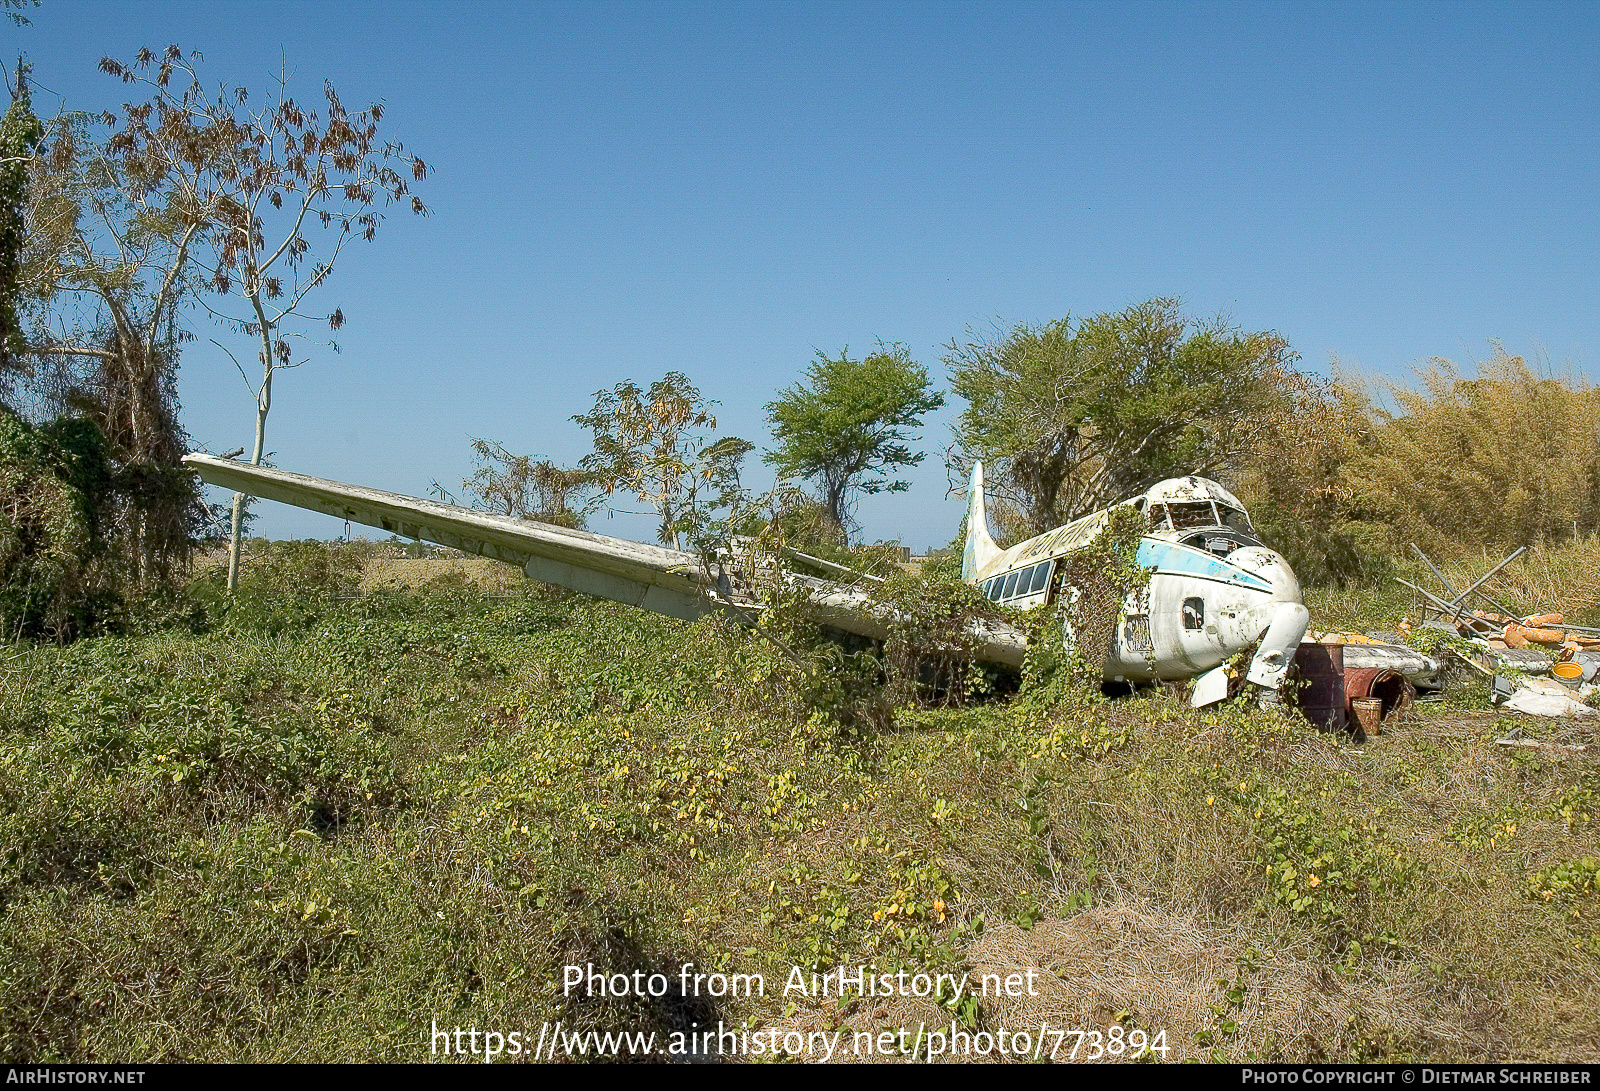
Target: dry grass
point(1563, 578)
point(1152, 967)
point(1456, 960)
point(209, 560)
point(382, 571)
point(865, 1015)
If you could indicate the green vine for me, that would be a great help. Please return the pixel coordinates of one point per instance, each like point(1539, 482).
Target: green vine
point(56, 489)
point(932, 651)
point(1070, 641)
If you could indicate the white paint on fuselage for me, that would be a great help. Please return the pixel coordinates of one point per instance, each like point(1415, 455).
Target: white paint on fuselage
point(1214, 587)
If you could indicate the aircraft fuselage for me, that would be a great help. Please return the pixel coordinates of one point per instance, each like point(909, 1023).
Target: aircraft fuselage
point(1214, 589)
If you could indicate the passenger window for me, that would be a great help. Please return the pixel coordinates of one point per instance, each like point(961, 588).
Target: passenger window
point(1041, 576)
point(1010, 587)
point(1194, 613)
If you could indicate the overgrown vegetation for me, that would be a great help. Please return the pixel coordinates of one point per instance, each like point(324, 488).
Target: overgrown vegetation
point(57, 493)
point(328, 814)
point(319, 822)
point(1461, 466)
point(1295, 476)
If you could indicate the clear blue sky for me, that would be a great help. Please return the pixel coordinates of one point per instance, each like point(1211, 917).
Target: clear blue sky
point(621, 190)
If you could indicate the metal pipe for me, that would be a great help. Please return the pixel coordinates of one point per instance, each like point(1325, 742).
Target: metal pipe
point(1459, 598)
point(1434, 570)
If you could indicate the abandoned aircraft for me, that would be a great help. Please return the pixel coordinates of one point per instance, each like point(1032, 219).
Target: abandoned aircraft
point(1215, 589)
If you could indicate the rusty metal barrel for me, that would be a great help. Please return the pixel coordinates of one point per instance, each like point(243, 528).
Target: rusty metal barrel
point(1319, 687)
point(1383, 683)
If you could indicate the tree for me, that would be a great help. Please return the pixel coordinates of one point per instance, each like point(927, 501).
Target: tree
point(846, 427)
point(20, 136)
point(14, 8)
point(105, 287)
point(198, 197)
point(657, 446)
point(526, 488)
point(1294, 475)
point(1072, 418)
point(146, 507)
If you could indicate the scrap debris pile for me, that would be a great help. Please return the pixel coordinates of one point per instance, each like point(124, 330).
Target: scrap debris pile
point(1535, 645)
point(1536, 664)
point(1517, 646)
point(1508, 632)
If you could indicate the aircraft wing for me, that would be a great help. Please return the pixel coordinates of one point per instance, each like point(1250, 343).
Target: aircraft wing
point(665, 581)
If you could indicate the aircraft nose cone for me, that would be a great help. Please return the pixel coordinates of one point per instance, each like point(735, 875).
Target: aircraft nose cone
point(1269, 566)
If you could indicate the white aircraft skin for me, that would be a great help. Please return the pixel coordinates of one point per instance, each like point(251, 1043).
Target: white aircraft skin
point(1215, 589)
point(651, 577)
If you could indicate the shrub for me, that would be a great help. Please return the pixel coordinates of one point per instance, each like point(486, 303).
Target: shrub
point(55, 484)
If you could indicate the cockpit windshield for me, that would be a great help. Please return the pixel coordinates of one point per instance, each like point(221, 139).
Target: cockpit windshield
point(1183, 516)
point(1200, 513)
point(1234, 519)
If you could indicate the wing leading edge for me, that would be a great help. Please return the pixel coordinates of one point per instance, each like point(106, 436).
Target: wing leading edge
point(665, 581)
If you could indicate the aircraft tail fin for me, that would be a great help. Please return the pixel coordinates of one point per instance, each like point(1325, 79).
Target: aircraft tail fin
point(980, 548)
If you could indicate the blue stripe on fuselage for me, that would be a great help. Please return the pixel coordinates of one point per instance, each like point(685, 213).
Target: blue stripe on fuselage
point(1169, 557)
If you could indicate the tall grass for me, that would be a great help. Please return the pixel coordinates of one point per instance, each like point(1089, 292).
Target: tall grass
point(1563, 577)
point(1505, 459)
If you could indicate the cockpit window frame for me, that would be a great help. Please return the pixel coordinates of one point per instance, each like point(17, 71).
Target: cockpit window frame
point(1199, 514)
point(1243, 526)
point(1186, 515)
